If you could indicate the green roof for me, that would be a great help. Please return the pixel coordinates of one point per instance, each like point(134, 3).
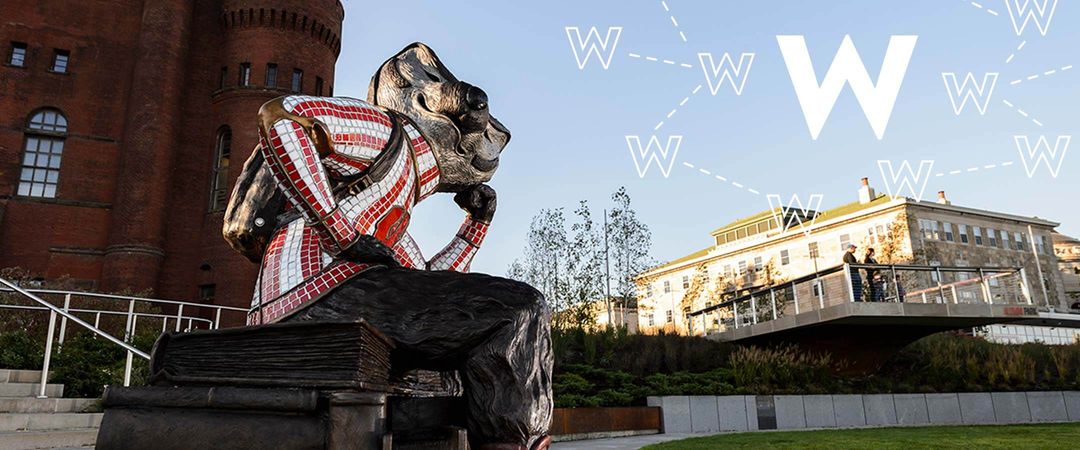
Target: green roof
point(745, 221)
point(850, 208)
point(838, 211)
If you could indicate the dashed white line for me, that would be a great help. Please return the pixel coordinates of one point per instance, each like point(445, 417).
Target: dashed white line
point(1037, 75)
point(980, 6)
point(656, 59)
point(1022, 112)
point(721, 178)
point(975, 169)
point(676, 109)
point(1013, 54)
point(673, 21)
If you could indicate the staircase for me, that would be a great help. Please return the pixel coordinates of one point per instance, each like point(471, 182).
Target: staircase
point(28, 422)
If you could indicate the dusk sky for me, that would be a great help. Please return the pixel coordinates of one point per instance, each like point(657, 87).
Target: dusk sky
point(569, 125)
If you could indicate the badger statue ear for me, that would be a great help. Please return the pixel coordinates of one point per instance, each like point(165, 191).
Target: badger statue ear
point(416, 63)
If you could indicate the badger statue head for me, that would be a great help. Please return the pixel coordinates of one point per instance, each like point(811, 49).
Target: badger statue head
point(453, 116)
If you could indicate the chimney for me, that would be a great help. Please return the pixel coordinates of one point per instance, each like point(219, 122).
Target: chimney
point(942, 199)
point(866, 193)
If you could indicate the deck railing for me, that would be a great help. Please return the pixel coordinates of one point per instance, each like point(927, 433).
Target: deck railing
point(865, 283)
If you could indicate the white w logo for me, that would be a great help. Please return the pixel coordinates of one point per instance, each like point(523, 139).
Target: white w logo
point(1033, 156)
point(959, 93)
point(896, 180)
point(817, 101)
point(725, 70)
point(592, 44)
point(664, 156)
point(1042, 13)
point(787, 216)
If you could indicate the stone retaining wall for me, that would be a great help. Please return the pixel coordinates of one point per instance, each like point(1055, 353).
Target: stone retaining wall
point(704, 414)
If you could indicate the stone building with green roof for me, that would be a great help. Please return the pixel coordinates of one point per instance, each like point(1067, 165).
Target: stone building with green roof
point(755, 252)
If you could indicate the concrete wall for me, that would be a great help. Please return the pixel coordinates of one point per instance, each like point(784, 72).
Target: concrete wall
point(709, 414)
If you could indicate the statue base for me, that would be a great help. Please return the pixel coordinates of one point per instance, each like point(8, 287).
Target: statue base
point(259, 394)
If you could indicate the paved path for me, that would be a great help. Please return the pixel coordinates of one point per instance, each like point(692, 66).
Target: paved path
point(624, 443)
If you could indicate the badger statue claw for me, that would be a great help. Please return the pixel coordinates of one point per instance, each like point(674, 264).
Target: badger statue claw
point(324, 204)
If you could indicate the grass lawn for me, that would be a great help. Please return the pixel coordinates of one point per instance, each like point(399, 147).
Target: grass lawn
point(992, 436)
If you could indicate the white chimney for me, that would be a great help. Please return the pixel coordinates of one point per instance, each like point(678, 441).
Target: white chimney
point(866, 193)
point(942, 199)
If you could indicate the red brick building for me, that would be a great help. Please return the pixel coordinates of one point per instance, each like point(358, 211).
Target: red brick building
point(124, 123)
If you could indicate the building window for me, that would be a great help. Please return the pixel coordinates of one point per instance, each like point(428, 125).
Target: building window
point(271, 75)
point(1040, 244)
point(813, 248)
point(818, 292)
point(245, 75)
point(758, 264)
point(742, 270)
point(219, 190)
point(60, 61)
point(652, 323)
point(1004, 239)
point(1019, 240)
point(669, 320)
point(785, 257)
point(991, 237)
point(318, 86)
point(206, 293)
point(648, 290)
point(963, 233)
point(18, 54)
point(948, 232)
point(978, 235)
point(297, 80)
point(685, 282)
point(41, 161)
point(223, 77)
point(667, 286)
point(845, 240)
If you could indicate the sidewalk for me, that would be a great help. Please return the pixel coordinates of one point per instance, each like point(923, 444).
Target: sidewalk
point(624, 443)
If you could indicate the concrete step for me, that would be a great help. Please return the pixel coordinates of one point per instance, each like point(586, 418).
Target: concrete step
point(48, 405)
point(19, 376)
point(47, 421)
point(74, 438)
point(30, 390)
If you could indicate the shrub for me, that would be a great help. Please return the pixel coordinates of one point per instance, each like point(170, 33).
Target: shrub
point(85, 365)
point(20, 351)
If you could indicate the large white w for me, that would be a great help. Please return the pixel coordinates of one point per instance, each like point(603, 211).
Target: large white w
point(664, 156)
point(584, 48)
point(1039, 12)
point(897, 179)
point(1033, 156)
point(959, 93)
point(817, 101)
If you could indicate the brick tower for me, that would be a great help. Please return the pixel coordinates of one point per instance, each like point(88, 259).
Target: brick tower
point(159, 99)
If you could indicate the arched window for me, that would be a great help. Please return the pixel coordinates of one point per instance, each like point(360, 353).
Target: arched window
point(45, 135)
point(219, 191)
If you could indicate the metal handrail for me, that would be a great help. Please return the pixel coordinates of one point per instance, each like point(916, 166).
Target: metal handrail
point(125, 297)
point(67, 313)
point(109, 312)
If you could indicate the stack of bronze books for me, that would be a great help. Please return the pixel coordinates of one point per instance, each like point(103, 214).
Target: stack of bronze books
point(325, 356)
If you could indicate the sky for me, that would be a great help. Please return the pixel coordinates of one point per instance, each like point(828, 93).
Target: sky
point(569, 125)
